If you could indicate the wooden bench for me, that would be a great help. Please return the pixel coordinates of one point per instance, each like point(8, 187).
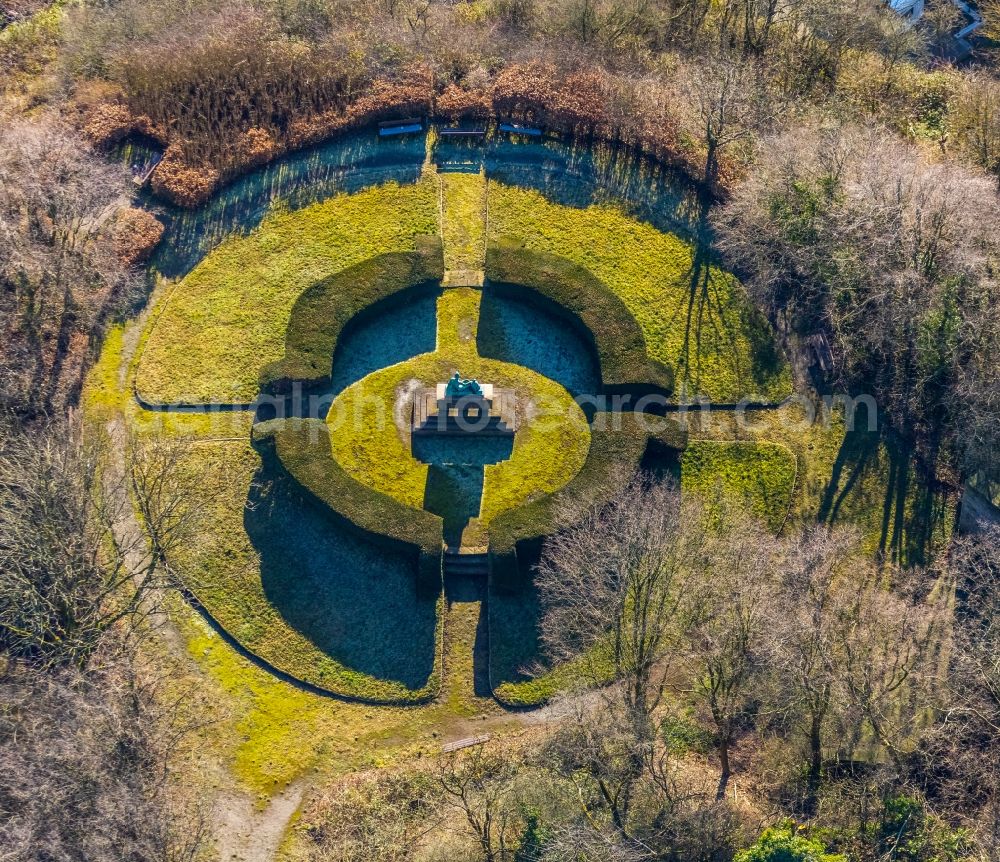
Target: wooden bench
point(468, 742)
point(409, 126)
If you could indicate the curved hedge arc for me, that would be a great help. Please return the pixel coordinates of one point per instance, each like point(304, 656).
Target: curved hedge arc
point(595, 310)
point(322, 311)
point(302, 446)
point(618, 442)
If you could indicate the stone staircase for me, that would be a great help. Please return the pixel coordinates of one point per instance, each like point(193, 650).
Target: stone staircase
point(466, 565)
point(463, 278)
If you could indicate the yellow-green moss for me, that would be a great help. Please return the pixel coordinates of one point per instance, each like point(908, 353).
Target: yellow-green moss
point(103, 390)
point(760, 476)
point(463, 220)
point(227, 318)
point(696, 318)
point(275, 732)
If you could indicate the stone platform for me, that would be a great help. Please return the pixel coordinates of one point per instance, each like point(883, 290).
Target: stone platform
point(434, 413)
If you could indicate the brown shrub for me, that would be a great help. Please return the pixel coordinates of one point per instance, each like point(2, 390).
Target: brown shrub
point(539, 93)
point(108, 123)
point(457, 102)
point(640, 114)
point(255, 147)
point(581, 103)
point(413, 94)
point(181, 183)
point(137, 233)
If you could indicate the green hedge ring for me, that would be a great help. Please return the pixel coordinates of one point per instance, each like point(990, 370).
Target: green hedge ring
point(323, 310)
point(617, 339)
point(618, 439)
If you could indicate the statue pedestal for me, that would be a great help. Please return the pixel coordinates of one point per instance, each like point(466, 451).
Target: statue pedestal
point(493, 413)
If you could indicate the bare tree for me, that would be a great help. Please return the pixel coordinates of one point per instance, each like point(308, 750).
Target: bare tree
point(376, 816)
point(73, 567)
point(614, 593)
point(941, 19)
point(959, 761)
point(730, 102)
point(892, 643)
point(58, 263)
point(975, 118)
point(598, 752)
point(748, 24)
point(816, 580)
point(852, 233)
point(84, 769)
point(613, 590)
point(729, 635)
point(479, 783)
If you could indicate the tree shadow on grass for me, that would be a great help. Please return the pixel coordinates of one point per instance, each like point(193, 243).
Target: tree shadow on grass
point(717, 312)
point(352, 599)
point(911, 508)
point(579, 174)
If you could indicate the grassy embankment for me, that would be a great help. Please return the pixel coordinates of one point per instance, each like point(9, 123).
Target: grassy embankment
point(227, 318)
point(696, 317)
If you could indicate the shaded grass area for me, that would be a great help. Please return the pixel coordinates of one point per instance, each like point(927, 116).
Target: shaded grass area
point(369, 421)
point(376, 341)
point(515, 330)
point(519, 675)
point(300, 592)
point(696, 318)
point(558, 284)
point(759, 476)
point(853, 478)
point(302, 447)
point(227, 318)
point(875, 483)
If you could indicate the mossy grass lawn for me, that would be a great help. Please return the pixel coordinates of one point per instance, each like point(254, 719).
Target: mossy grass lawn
point(227, 318)
point(369, 421)
point(696, 318)
point(463, 220)
point(757, 475)
point(271, 733)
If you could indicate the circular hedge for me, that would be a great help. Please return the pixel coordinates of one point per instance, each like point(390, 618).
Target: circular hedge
point(363, 471)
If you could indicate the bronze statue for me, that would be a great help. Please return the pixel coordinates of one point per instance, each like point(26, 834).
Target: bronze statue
point(457, 387)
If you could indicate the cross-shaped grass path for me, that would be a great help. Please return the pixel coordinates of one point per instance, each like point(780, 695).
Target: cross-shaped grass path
point(370, 420)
